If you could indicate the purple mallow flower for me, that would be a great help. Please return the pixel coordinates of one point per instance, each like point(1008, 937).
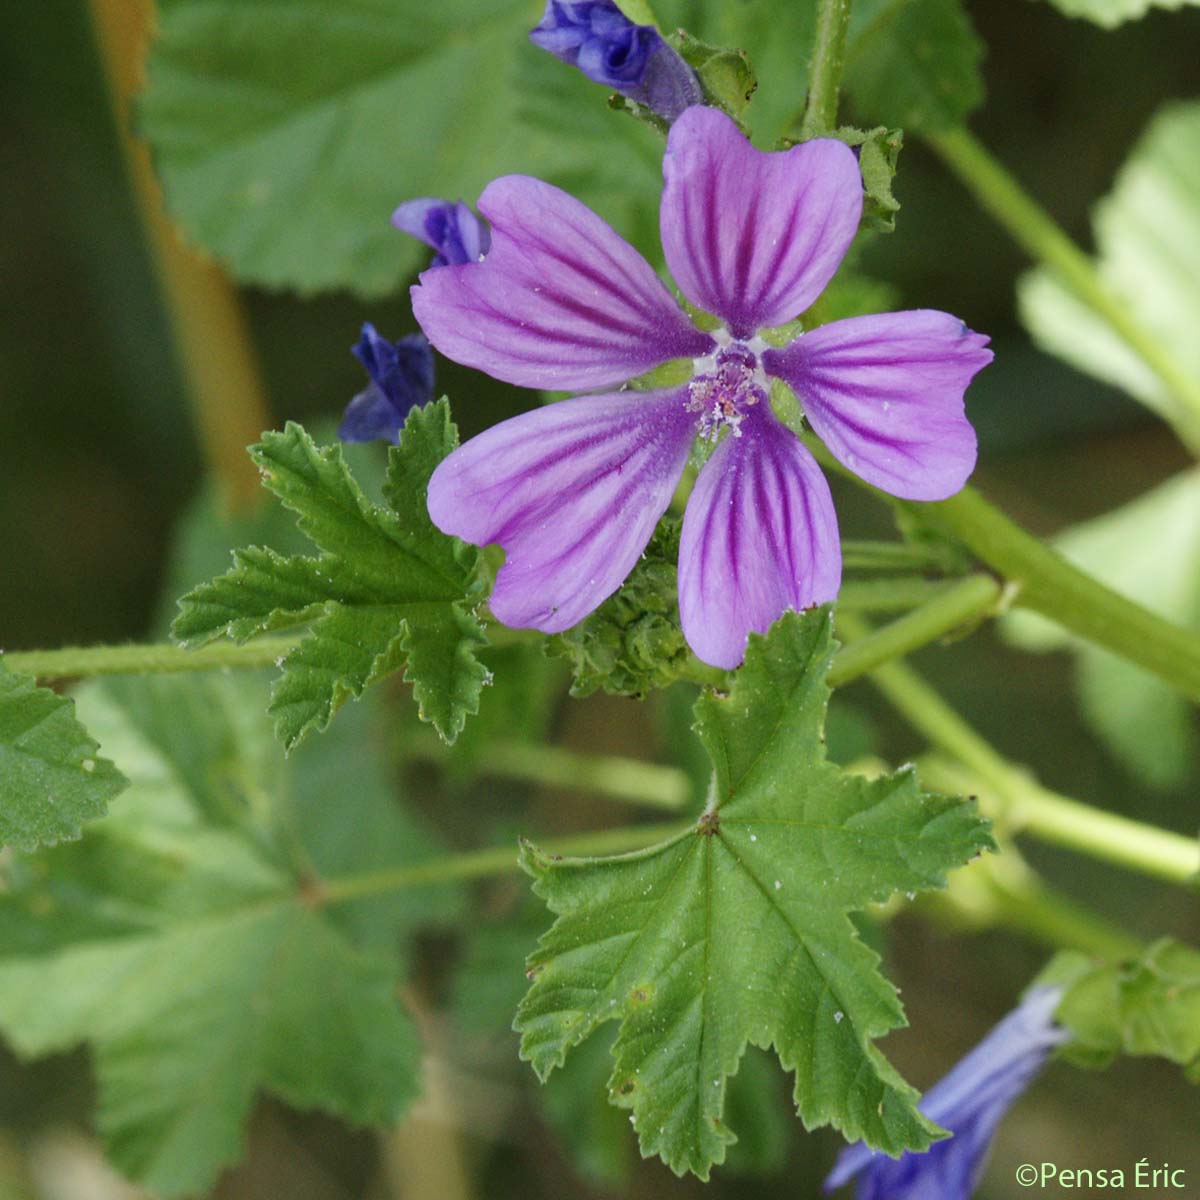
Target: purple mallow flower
point(599, 39)
point(452, 230)
point(401, 375)
point(970, 1102)
point(573, 491)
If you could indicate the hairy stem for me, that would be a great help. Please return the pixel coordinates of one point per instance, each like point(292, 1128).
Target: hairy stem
point(627, 779)
point(1017, 801)
point(1040, 578)
point(1034, 229)
point(955, 606)
point(1047, 583)
point(1051, 817)
point(895, 556)
point(828, 61)
point(150, 659)
point(495, 860)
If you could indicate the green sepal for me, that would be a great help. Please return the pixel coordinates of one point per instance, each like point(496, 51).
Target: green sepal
point(726, 77)
point(632, 644)
point(1147, 1006)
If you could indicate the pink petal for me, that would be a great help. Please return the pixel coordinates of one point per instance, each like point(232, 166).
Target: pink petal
point(751, 236)
point(759, 536)
point(559, 302)
point(885, 394)
point(572, 492)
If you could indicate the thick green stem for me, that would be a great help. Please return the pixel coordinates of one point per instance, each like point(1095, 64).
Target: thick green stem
point(1046, 582)
point(1003, 890)
point(627, 779)
point(495, 860)
point(898, 594)
point(895, 556)
point(1000, 194)
point(154, 658)
point(1040, 578)
point(825, 77)
point(1018, 801)
point(1024, 804)
point(957, 605)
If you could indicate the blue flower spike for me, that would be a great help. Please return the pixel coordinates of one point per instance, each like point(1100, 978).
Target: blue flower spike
point(599, 39)
point(970, 1101)
point(401, 375)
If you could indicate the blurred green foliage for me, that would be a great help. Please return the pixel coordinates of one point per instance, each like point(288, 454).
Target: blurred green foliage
point(97, 459)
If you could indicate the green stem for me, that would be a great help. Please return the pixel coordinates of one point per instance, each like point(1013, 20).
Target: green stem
point(889, 595)
point(495, 860)
point(1052, 817)
point(995, 189)
point(1046, 582)
point(1060, 923)
point(1040, 578)
point(154, 658)
point(627, 779)
point(825, 77)
point(1004, 890)
point(1022, 802)
point(953, 607)
point(895, 556)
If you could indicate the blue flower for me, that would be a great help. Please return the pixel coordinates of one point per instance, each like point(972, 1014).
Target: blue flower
point(401, 376)
point(452, 230)
point(599, 39)
point(971, 1102)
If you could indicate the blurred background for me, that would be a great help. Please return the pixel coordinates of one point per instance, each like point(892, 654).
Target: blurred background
point(99, 457)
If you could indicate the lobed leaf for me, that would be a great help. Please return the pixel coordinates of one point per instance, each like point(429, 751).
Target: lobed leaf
point(1148, 256)
point(736, 932)
point(52, 778)
point(388, 590)
point(186, 941)
point(914, 63)
point(286, 131)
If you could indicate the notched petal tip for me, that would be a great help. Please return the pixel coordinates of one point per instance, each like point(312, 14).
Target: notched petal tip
point(885, 393)
point(560, 301)
point(754, 236)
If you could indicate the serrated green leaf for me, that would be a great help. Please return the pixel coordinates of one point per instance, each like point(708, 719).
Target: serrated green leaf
point(389, 591)
point(185, 939)
point(286, 131)
point(52, 778)
point(1148, 550)
point(1111, 13)
point(1150, 1006)
point(736, 931)
point(574, 1101)
point(1148, 256)
point(913, 64)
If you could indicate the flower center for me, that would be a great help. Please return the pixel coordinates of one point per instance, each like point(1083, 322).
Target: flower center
point(726, 384)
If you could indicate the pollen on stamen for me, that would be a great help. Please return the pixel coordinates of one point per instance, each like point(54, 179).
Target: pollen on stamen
point(726, 385)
